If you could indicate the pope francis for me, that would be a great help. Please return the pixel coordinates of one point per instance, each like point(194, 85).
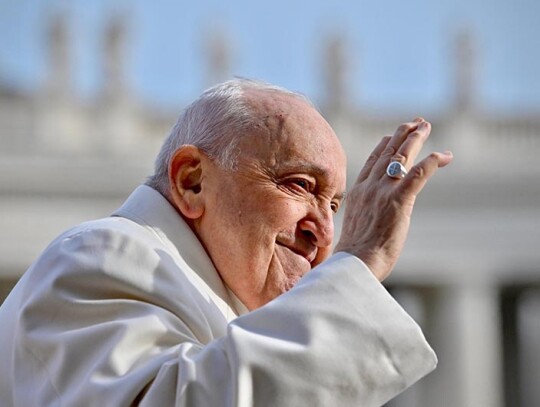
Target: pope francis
point(218, 283)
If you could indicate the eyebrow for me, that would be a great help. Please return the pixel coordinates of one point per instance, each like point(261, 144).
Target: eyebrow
point(304, 167)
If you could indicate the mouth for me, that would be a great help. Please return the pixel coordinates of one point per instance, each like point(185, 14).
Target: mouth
point(309, 256)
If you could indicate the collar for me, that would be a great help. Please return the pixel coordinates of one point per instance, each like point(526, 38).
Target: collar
point(149, 208)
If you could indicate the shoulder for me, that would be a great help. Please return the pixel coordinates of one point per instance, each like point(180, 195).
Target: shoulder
point(111, 261)
point(100, 244)
point(114, 259)
point(106, 257)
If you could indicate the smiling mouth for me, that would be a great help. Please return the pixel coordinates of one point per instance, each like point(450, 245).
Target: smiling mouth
point(309, 257)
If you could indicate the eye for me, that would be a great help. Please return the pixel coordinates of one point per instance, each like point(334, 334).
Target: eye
point(302, 183)
point(299, 185)
point(334, 206)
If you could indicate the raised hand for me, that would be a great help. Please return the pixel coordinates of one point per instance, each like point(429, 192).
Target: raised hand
point(379, 207)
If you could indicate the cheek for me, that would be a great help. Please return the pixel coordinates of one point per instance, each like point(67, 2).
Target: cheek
point(272, 212)
point(254, 219)
point(286, 211)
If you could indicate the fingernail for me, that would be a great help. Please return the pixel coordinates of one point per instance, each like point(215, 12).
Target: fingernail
point(448, 153)
point(418, 120)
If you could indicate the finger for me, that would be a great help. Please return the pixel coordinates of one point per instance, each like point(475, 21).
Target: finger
point(395, 142)
point(419, 174)
point(372, 159)
point(409, 150)
point(403, 131)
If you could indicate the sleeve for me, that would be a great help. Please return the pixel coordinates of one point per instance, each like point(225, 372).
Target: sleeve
point(88, 339)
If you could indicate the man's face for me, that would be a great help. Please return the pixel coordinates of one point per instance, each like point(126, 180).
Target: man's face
point(270, 221)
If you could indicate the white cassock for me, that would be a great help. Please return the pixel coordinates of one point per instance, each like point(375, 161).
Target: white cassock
point(129, 310)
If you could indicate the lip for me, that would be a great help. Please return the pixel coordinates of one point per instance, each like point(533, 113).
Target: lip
point(308, 255)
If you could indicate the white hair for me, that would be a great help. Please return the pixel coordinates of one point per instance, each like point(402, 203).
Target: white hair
point(215, 123)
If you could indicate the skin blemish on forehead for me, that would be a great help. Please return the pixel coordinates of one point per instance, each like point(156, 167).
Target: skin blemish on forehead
point(274, 124)
point(291, 131)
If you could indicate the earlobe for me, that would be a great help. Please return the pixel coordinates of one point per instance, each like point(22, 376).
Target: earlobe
point(185, 180)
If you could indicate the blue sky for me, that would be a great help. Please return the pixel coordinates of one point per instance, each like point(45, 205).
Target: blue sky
point(400, 52)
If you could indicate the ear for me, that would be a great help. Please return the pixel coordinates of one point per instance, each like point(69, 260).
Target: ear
point(185, 180)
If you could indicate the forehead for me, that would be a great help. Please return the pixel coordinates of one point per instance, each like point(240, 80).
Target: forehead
point(289, 133)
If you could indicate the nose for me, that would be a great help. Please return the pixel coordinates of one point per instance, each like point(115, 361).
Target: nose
point(318, 225)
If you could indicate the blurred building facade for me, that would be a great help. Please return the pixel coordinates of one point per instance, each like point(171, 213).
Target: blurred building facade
point(470, 272)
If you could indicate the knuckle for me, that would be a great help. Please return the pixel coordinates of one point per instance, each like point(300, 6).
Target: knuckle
point(399, 157)
point(405, 127)
point(388, 151)
point(418, 171)
point(417, 134)
point(434, 156)
point(372, 158)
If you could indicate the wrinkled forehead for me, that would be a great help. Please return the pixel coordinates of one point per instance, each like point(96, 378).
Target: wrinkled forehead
point(288, 130)
point(277, 109)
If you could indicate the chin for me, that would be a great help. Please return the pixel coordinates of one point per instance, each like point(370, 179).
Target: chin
point(288, 270)
point(290, 282)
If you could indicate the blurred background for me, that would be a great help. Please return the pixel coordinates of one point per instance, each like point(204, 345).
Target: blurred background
point(88, 91)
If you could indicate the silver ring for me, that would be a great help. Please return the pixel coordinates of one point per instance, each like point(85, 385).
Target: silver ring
point(396, 170)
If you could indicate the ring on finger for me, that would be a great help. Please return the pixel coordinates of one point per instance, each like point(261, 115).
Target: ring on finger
point(396, 170)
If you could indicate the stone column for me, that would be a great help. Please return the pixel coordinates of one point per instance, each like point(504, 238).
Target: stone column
point(463, 325)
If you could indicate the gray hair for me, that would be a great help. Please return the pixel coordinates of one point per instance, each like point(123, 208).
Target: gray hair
point(215, 123)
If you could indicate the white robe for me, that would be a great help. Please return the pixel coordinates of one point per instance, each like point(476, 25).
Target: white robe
point(129, 310)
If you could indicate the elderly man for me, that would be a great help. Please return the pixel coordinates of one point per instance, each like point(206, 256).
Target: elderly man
point(214, 284)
